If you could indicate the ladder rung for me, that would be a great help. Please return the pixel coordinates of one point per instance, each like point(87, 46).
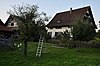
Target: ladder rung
point(40, 42)
point(37, 55)
point(39, 47)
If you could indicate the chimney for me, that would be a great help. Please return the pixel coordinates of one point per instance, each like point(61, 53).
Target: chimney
point(70, 10)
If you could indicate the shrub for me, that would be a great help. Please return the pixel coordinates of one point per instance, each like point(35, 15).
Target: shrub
point(83, 30)
point(79, 44)
point(71, 44)
point(97, 39)
point(55, 41)
point(18, 46)
point(93, 44)
point(5, 47)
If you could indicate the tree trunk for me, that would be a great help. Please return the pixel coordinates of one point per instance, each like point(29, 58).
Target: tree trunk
point(25, 47)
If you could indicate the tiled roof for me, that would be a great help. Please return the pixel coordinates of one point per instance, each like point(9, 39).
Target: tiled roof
point(4, 28)
point(1, 23)
point(67, 17)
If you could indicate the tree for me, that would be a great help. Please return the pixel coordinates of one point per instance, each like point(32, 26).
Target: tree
point(32, 22)
point(31, 19)
point(83, 30)
point(98, 33)
point(99, 24)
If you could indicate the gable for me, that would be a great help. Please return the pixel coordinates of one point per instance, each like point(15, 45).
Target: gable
point(12, 21)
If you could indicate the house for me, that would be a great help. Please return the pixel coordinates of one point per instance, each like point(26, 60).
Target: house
point(64, 20)
point(12, 22)
point(5, 32)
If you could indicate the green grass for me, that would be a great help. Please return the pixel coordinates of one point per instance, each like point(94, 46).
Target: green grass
point(52, 56)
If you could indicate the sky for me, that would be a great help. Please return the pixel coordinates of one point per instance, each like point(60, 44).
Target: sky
point(51, 7)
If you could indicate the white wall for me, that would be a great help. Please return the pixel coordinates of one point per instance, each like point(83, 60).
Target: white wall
point(63, 29)
point(15, 24)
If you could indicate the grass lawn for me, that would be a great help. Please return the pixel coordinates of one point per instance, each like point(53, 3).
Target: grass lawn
point(52, 56)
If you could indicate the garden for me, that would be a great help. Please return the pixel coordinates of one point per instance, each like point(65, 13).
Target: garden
point(51, 56)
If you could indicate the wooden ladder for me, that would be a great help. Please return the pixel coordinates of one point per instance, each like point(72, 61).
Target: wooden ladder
point(40, 45)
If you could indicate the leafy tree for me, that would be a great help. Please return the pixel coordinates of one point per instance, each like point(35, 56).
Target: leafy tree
point(98, 34)
point(83, 30)
point(99, 24)
point(32, 22)
point(66, 35)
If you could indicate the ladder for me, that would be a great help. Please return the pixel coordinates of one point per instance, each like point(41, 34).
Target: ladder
point(40, 45)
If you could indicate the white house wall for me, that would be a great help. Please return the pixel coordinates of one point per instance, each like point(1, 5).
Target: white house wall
point(63, 29)
point(15, 24)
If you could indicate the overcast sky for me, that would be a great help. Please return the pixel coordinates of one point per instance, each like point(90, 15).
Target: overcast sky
point(51, 7)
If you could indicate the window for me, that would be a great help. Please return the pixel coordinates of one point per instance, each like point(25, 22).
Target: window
point(12, 24)
point(87, 14)
point(59, 21)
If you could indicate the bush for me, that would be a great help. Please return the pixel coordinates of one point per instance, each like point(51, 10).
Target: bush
point(89, 44)
point(93, 44)
point(97, 39)
point(83, 30)
point(71, 44)
point(18, 46)
point(55, 41)
point(78, 44)
point(5, 47)
point(65, 43)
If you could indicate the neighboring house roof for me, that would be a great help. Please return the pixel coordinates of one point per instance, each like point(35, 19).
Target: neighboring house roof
point(4, 28)
point(67, 17)
point(12, 18)
point(9, 19)
point(1, 23)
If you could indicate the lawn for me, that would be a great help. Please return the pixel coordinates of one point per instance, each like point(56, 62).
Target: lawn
point(51, 56)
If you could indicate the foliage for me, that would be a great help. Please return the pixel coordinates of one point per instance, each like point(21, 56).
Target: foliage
point(61, 38)
point(98, 34)
point(66, 35)
point(55, 56)
point(18, 46)
point(32, 22)
point(63, 35)
point(83, 30)
point(97, 39)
